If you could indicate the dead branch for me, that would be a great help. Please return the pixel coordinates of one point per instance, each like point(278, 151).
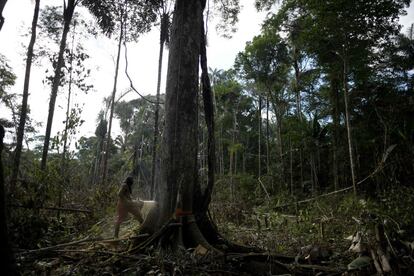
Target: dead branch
point(51, 208)
point(118, 254)
point(85, 240)
point(51, 248)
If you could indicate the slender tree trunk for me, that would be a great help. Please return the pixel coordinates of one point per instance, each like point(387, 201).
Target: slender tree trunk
point(7, 260)
point(348, 126)
point(232, 154)
point(67, 15)
point(291, 165)
point(2, 4)
point(279, 138)
point(63, 166)
point(231, 175)
point(297, 89)
point(222, 167)
point(279, 114)
point(163, 35)
point(267, 137)
point(259, 163)
point(297, 84)
point(98, 160)
point(208, 103)
point(111, 114)
point(335, 138)
point(23, 112)
point(140, 154)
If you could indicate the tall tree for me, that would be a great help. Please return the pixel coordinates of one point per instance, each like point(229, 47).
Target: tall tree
point(130, 18)
point(121, 17)
point(265, 60)
point(343, 50)
point(68, 10)
point(347, 47)
point(23, 111)
point(2, 4)
point(179, 159)
point(164, 38)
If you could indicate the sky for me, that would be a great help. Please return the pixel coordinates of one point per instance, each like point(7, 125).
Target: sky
point(142, 59)
point(142, 63)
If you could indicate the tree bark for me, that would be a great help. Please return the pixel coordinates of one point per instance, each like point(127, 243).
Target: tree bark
point(7, 260)
point(67, 15)
point(179, 158)
point(297, 84)
point(23, 112)
point(111, 114)
point(163, 36)
point(2, 4)
point(209, 118)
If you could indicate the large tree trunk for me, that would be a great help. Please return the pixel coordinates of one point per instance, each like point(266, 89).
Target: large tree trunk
point(23, 112)
point(179, 161)
point(179, 173)
point(111, 114)
point(7, 260)
point(163, 36)
point(67, 15)
point(2, 4)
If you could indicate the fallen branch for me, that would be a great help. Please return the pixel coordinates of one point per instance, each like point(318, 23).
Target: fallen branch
point(318, 268)
point(85, 240)
point(118, 254)
point(264, 189)
point(314, 198)
point(51, 248)
point(51, 208)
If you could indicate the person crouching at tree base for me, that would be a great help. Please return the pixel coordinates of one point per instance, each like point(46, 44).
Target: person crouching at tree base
point(127, 205)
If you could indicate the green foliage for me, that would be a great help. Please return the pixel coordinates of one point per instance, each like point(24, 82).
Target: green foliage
point(7, 77)
point(394, 206)
point(28, 229)
point(138, 16)
point(103, 200)
point(228, 11)
point(7, 80)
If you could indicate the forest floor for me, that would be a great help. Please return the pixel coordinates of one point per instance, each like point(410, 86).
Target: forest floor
point(338, 236)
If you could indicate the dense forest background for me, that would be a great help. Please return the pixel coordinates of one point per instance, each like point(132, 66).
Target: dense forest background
point(313, 131)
